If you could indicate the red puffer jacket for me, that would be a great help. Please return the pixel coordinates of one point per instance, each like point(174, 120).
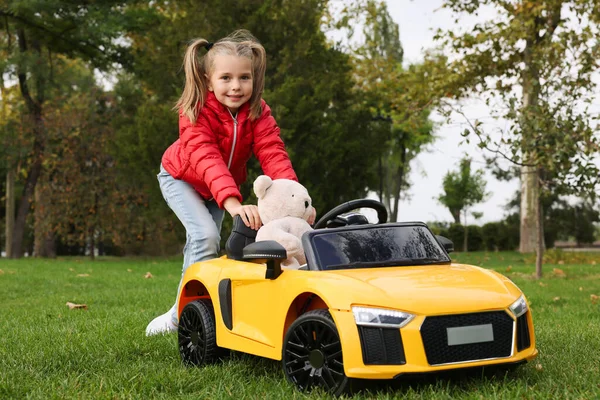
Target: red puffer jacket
point(212, 154)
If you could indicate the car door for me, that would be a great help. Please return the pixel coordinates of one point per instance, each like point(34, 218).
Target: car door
point(256, 312)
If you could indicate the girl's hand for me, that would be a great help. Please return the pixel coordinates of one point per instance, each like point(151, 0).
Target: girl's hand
point(248, 213)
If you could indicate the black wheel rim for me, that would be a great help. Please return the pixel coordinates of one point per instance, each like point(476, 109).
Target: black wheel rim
point(192, 338)
point(313, 357)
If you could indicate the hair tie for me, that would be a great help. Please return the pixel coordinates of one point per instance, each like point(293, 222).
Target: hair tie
point(209, 45)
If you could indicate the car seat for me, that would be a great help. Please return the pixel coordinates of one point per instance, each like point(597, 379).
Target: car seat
point(240, 237)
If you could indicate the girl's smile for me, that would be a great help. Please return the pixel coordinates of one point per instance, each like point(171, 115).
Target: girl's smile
point(231, 80)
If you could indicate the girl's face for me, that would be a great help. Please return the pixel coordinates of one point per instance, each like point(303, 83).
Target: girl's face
point(231, 80)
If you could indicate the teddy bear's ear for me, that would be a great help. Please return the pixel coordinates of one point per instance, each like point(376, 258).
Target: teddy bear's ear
point(261, 184)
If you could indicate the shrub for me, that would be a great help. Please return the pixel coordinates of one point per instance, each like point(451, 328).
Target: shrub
point(439, 228)
point(456, 233)
point(509, 233)
point(474, 238)
point(491, 233)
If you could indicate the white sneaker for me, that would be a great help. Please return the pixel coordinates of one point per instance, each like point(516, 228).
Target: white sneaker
point(162, 324)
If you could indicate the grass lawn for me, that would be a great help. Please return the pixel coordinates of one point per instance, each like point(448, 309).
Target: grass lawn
point(49, 351)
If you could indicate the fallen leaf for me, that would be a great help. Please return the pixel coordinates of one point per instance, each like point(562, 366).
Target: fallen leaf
point(594, 298)
point(580, 289)
point(74, 306)
point(1, 272)
point(148, 275)
point(559, 272)
point(508, 268)
point(83, 275)
point(542, 284)
point(71, 269)
point(557, 298)
point(561, 262)
point(594, 262)
point(539, 367)
point(129, 270)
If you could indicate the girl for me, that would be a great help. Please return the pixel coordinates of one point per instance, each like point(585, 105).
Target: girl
point(222, 120)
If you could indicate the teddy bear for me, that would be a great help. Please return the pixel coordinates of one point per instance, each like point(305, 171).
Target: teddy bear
point(284, 207)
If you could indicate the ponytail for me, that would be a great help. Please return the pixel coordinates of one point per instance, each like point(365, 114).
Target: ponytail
point(194, 91)
point(259, 66)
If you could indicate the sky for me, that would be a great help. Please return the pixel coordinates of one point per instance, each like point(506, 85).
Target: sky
point(418, 21)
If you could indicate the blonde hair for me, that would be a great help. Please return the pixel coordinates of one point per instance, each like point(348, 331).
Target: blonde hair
point(240, 43)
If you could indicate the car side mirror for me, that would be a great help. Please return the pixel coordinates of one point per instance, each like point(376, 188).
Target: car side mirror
point(446, 243)
point(268, 251)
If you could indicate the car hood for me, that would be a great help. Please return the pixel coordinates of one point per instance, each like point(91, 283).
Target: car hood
point(432, 289)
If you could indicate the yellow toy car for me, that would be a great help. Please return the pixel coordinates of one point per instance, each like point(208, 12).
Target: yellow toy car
point(374, 301)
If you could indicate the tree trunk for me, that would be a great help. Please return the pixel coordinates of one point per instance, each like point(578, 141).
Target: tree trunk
point(530, 193)
point(386, 184)
point(92, 244)
point(24, 205)
point(456, 215)
point(10, 183)
point(466, 233)
point(10, 211)
point(539, 258)
point(399, 180)
point(530, 200)
point(34, 107)
point(44, 239)
point(532, 225)
point(380, 179)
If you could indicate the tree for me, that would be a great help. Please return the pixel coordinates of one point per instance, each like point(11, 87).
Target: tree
point(537, 60)
point(78, 189)
point(33, 33)
point(463, 189)
point(309, 86)
point(9, 137)
point(398, 99)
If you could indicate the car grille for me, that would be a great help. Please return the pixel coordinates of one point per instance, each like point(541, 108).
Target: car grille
point(381, 346)
point(523, 337)
point(435, 337)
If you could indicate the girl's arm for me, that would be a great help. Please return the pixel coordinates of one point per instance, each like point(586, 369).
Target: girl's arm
point(269, 148)
point(201, 152)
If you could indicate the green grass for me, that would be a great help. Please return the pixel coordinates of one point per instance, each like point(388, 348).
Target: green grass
point(50, 352)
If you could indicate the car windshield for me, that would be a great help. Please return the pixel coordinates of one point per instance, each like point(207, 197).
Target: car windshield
point(376, 246)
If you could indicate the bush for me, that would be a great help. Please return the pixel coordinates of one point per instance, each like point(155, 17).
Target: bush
point(474, 238)
point(456, 233)
point(509, 233)
point(491, 233)
point(439, 228)
point(493, 236)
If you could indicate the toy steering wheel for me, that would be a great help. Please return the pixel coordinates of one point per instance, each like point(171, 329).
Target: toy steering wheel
point(352, 205)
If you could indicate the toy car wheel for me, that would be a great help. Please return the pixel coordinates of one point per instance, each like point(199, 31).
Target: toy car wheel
point(312, 354)
point(197, 334)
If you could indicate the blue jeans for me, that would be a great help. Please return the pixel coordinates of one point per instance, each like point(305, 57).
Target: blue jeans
point(201, 219)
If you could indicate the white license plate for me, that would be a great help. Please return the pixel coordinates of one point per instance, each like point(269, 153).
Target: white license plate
point(470, 334)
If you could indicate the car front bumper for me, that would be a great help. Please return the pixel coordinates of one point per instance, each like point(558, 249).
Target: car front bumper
point(376, 361)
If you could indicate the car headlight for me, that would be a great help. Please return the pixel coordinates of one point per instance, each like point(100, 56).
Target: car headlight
point(378, 317)
point(519, 307)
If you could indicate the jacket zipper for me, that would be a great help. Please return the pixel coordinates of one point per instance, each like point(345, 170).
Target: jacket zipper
point(235, 124)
